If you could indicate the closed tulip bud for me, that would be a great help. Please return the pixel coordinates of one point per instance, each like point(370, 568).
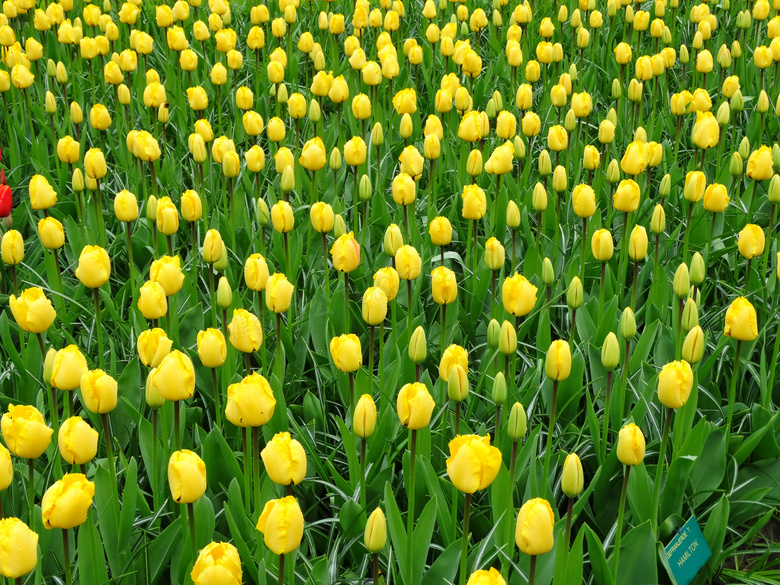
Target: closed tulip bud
point(744, 148)
point(334, 160)
point(682, 282)
point(77, 441)
point(693, 346)
point(637, 243)
point(574, 294)
point(539, 198)
point(457, 384)
point(557, 364)
point(186, 476)
point(627, 324)
point(418, 348)
point(66, 502)
point(690, 316)
point(572, 479)
point(741, 320)
point(94, 267)
point(534, 528)
point(613, 171)
point(658, 220)
point(738, 103)
point(698, 269)
point(548, 273)
point(212, 246)
point(631, 445)
point(246, 332)
point(364, 419)
point(617, 89)
point(224, 293)
point(610, 352)
point(493, 333)
point(474, 163)
point(518, 421)
point(375, 536)
point(507, 339)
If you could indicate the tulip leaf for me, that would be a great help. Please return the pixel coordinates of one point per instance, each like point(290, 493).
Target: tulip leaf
point(637, 555)
point(423, 531)
point(753, 440)
point(675, 485)
point(445, 567)
point(396, 529)
point(710, 467)
point(434, 485)
point(92, 561)
point(639, 493)
point(598, 561)
point(715, 531)
point(221, 463)
point(107, 504)
point(242, 533)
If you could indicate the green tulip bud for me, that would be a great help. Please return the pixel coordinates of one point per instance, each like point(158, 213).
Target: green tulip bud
point(221, 264)
point(519, 146)
point(490, 110)
point(224, 293)
point(51, 68)
point(77, 182)
point(658, 221)
point(684, 55)
point(263, 214)
point(499, 389)
point(610, 352)
point(339, 226)
point(545, 164)
point(281, 94)
point(666, 36)
point(493, 333)
point(613, 171)
point(744, 148)
point(612, 116)
point(697, 269)
point(724, 115)
point(458, 384)
point(735, 165)
point(693, 346)
point(573, 73)
point(418, 346)
point(776, 155)
point(152, 395)
point(682, 281)
point(627, 324)
point(617, 89)
point(737, 101)
point(377, 135)
point(334, 160)
point(548, 273)
point(507, 341)
point(574, 294)
point(315, 112)
point(48, 365)
point(773, 193)
point(365, 190)
point(570, 121)
point(288, 179)
point(666, 186)
point(690, 316)
point(518, 422)
point(151, 208)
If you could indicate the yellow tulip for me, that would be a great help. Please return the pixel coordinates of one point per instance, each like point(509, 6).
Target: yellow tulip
point(66, 502)
point(186, 476)
point(473, 463)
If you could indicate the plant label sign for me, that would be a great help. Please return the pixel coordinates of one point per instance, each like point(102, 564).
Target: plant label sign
point(686, 553)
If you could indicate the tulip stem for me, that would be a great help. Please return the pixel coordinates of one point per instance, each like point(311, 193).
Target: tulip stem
point(346, 303)
point(550, 429)
point(30, 489)
point(532, 570)
point(154, 461)
point(685, 238)
point(381, 356)
point(363, 473)
point(443, 339)
point(732, 392)
point(351, 378)
point(601, 289)
point(247, 467)
point(98, 326)
point(409, 303)
point(582, 254)
point(54, 410)
point(661, 463)
point(465, 540)
point(410, 515)
point(256, 467)
point(325, 266)
point(371, 358)
point(605, 423)
point(621, 511)
point(375, 562)
point(66, 554)
point(193, 543)
point(217, 410)
point(109, 448)
point(569, 514)
point(176, 416)
point(633, 284)
point(280, 572)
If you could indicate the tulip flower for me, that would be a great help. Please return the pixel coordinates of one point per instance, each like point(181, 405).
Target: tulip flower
point(22, 546)
point(281, 524)
point(375, 538)
point(218, 562)
point(534, 531)
point(174, 379)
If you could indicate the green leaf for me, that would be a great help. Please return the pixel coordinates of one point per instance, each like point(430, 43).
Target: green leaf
point(92, 561)
point(637, 555)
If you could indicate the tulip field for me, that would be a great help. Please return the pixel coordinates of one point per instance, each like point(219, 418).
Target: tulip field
point(407, 292)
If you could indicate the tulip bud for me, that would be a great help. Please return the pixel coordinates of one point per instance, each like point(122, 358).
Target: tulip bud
point(339, 226)
point(50, 105)
point(773, 193)
point(377, 135)
point(507, 341)
point(334, 161)
point(724, 114)
point(152, 394)
point(737, 101)
point(493, 333)
point(474, 163)
point(627, 324)
point(666, 186)
point(518, 422)
point(288, 179)
point(281, 94)
point(610, 352)
point(690, 316)
point(574, 294)
point(519, 148)
point(548, 273)
point(499, 389)
point(315, 113)
point(418, 349)
point(393, 240)
point(151, 208)
point(559, 179)
point(617, 89)
point(77, 182)
point(51, 68)
point(375, 536)
point(572, 479)
point(365, 189)
point(613, 172)
point(48, 365)
point(684, 54)
point(263, 213)
point(682, 282)
point(457, 384)
point(736, 165)
point(776, 156)
point(545, 164)
point(744, 148)
point(693, 346)
point(762, 106)
point(698, 270)
point(658, 221)
point(570, 121)
point(539, 198)
point(224, 293)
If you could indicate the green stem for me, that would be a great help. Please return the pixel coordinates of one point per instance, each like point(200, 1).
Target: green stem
point(605, 423)
point(247, 468)
point(256, 467)
point(532, 570)
point(569, 513)
point(363, 474)
point(193, 543)
point(109, 447)
point(464, 545)
point(687, 230)
point(176, 425)
point(66, 555)
point(550, 430)
point(217, 409)
point(410, 515)
point(98, 326)
point(619, 531)
point(732, 392)
point(30, 490)
point(661, 463)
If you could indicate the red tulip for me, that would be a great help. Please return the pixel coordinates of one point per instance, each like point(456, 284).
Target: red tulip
point(6, 201)
point(2, 176)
